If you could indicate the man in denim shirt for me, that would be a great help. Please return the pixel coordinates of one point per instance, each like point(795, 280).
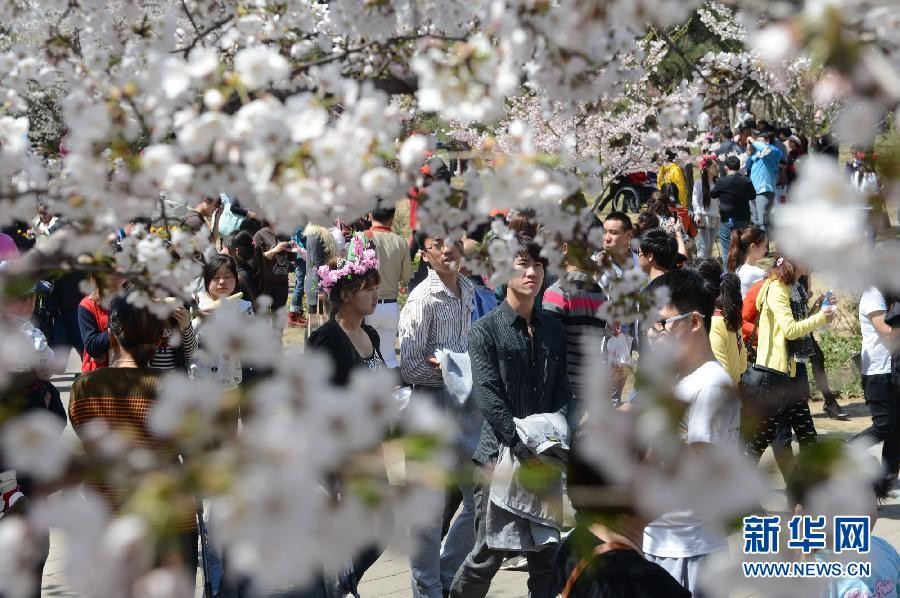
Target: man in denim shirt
point(518, 358)
point(763, 163)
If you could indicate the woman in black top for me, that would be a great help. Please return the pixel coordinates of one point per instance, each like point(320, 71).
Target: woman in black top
point(351, 344)
point(345, 336)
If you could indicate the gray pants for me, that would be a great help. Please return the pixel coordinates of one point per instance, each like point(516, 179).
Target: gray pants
point(761, 209)
point(473, 580)
point(432, 564)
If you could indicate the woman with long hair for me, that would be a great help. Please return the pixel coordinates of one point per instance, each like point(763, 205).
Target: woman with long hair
point(776, 385)
point(747, 247)
point(121, 397)
point(725, 331)
point(705, 206)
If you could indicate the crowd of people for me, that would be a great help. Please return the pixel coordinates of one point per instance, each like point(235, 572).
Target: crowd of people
point(740, 335)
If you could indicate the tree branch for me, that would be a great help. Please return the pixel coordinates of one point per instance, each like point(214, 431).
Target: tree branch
point(201, 34)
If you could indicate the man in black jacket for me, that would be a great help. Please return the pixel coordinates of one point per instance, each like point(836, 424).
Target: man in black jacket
point(734, 192)
point(518, 356)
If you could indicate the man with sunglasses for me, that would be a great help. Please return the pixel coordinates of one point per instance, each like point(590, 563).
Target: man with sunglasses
point(438, 315)
point(681, 541)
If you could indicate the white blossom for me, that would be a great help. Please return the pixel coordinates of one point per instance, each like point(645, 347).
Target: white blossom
point(260, 66)
point(33, 444)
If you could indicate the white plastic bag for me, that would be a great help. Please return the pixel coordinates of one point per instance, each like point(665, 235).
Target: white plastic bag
point(618, 350)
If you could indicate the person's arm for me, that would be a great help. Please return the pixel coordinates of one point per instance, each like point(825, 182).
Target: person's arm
point(563, 397)
point(779, 301)
point(718, 340)
point(697, 198)
point(889, 336)
point(96, 341)
point(415, 321)
point(554, 302)
point(215, 224)
point(715, 191)
point(405, 269)
point(490, 391)
point(44, 368)
point(279, 247)
point(749, 190)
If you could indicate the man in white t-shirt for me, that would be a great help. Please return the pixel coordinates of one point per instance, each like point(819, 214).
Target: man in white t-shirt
point(878, 341)
point(681, 541)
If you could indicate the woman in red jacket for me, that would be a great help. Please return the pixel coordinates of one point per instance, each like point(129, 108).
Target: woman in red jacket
point(93, 316)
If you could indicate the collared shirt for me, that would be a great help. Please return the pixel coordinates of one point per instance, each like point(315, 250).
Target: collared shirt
point(394, 266)
point(515, 375)
point(433, 318)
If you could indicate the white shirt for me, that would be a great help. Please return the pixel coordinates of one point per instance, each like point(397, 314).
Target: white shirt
point(749, 276)
point(876, 358)
point(713, 416)
point(697, 201)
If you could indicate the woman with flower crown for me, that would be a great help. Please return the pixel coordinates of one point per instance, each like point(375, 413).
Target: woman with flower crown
point(705, 206)
point(351, 285)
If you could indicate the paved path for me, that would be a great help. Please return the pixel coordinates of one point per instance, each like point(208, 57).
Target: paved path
point(390, 575)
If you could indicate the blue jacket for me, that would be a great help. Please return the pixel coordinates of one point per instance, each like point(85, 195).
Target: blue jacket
point(763, 166)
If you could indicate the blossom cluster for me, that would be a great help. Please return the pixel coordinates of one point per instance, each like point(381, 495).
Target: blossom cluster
point(361, 260)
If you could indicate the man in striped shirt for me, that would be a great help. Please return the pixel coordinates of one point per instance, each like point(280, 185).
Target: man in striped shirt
point(576, 302)
point(438, 315)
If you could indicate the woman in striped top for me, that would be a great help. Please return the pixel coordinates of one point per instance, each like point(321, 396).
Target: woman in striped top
point(174, 354)
point(120, 398)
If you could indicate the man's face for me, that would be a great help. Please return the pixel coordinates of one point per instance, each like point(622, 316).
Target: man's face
point(672, 332)
point(644, 262)
point(527, 277)
point(443, 257)
point(615, 238)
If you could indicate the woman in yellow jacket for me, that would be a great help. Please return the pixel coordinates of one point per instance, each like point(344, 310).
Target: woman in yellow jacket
point(672, 173)
point(725, 331)
point(773, 384)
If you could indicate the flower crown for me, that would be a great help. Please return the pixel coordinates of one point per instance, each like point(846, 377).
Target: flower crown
point(361, 257)
point(706, 159)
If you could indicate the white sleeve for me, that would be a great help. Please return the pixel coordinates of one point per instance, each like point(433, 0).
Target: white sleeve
point(871, 301)
point(697, 198)
point(44, 355)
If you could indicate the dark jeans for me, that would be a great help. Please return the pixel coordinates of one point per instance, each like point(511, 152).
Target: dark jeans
point(66, 331)
point(725, 228)
point(473, 580)
point(297, 296)
point(769, 397)
point(881, 398)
